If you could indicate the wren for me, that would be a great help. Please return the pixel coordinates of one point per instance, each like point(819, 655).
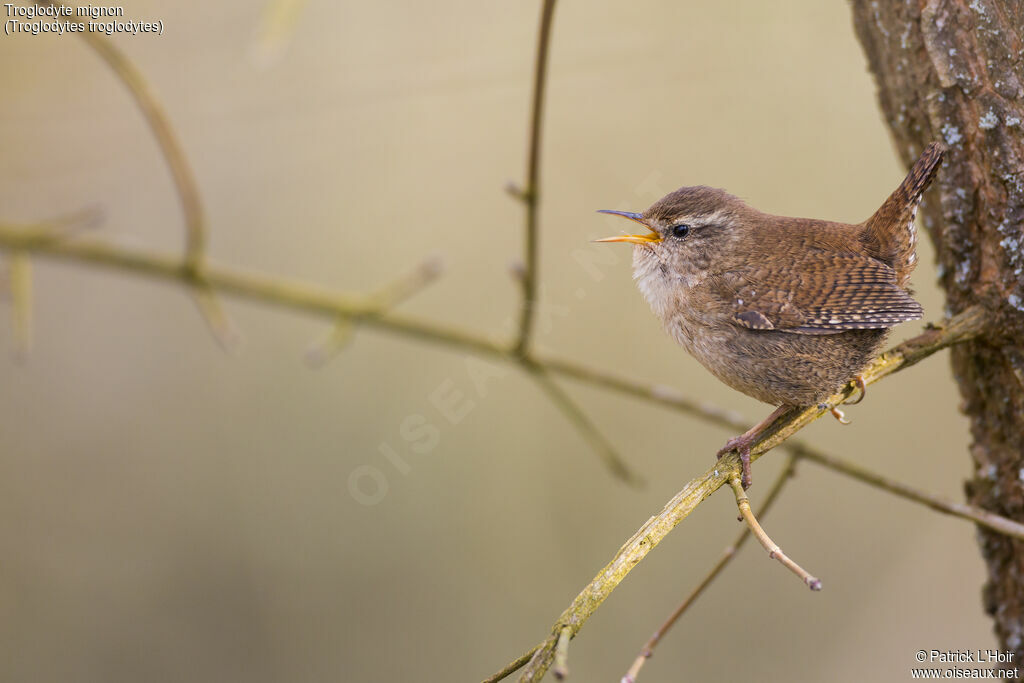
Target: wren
point(786, 310)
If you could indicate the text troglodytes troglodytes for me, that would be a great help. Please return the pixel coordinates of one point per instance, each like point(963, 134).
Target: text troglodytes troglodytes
point(783, 309)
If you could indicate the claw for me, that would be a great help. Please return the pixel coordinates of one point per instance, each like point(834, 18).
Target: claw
point(839, 415)
point(858, 381)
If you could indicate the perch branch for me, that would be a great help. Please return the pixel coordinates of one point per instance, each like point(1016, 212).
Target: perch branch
point(530, 194)
point(647, 651)
point(632, 552)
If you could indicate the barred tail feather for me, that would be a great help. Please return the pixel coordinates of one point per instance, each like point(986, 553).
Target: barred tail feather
point(891, 233)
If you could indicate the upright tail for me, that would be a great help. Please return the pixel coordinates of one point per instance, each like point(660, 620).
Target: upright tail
point(891, 233)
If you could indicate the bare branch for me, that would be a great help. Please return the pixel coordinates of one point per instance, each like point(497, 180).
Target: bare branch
point(530, 195)
point(587, 429)
point(975, 514)
point(659, 394)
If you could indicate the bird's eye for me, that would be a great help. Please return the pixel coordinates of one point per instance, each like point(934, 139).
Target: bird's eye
point(680, 231)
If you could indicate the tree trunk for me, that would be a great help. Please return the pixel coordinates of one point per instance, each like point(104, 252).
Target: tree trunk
point(951, 70)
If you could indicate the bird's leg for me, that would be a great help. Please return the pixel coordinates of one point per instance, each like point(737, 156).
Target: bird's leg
point(859, 382)
point(744, 441)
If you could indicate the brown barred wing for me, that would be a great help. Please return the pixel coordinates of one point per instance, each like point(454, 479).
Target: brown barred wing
point(820, 293)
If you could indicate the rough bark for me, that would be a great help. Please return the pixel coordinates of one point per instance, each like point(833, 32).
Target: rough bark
point(951, 70)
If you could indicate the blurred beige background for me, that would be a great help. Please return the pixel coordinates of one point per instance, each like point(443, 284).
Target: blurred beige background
point(169, 512)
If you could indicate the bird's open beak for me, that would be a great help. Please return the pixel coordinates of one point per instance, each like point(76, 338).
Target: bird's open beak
point(635, 239)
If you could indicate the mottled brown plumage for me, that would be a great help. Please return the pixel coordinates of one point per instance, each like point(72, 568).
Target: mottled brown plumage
point(783, 309)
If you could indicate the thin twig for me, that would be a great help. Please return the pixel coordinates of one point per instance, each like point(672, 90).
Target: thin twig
point(647, 651)
point(322, 351)
point(975, 514)
point(512, 667)
point(411, 283)
point(658, 394)
point(586, 428)
point(531, 193)
point(155, 115)
point(224, 330)
point(774, 551)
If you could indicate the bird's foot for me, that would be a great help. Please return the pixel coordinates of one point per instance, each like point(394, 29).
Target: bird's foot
point(745, 441)
point(742, 445)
